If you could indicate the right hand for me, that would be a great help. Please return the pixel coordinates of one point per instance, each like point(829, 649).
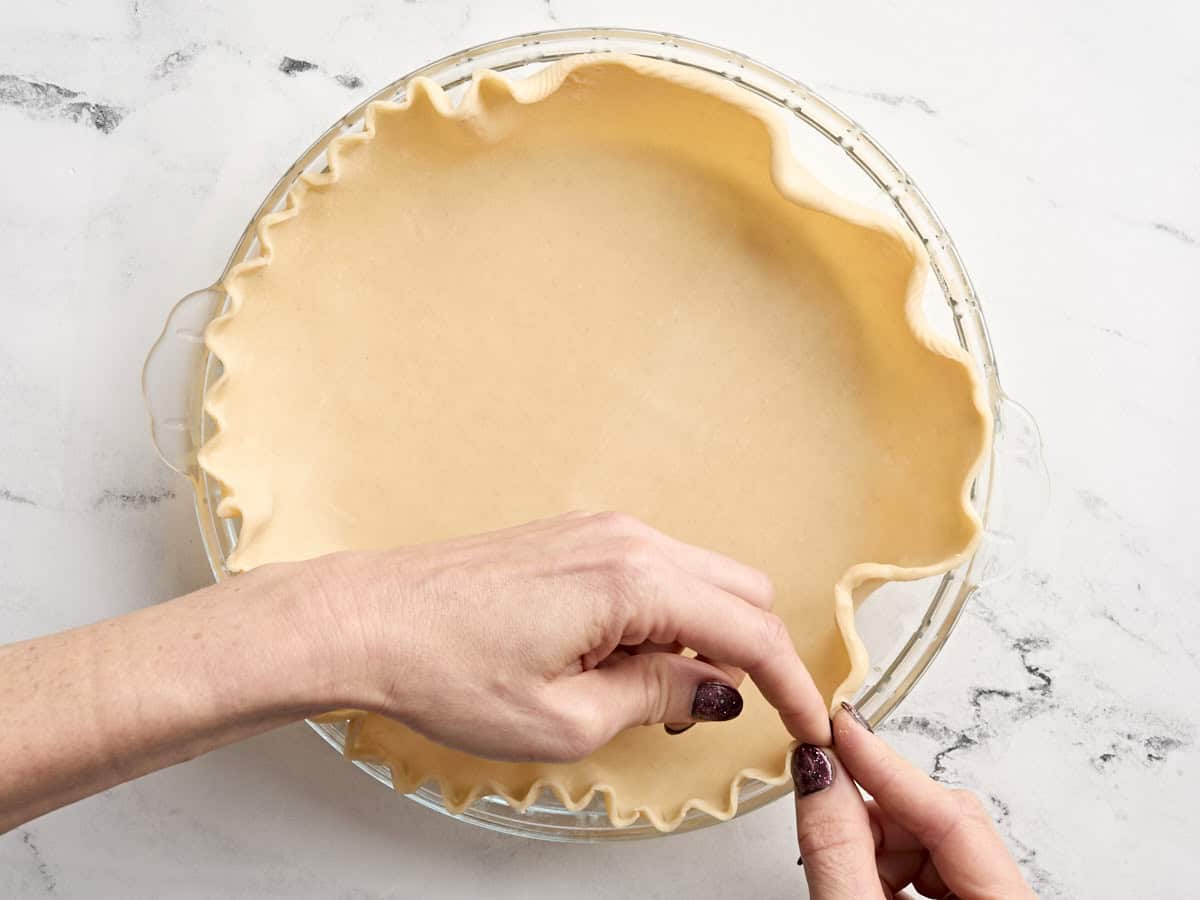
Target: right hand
point(543, 641)
point(913, 832)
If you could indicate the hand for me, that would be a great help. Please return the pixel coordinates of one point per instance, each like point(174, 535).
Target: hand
point(539, 642)
point(545, 640)
point(913, 832)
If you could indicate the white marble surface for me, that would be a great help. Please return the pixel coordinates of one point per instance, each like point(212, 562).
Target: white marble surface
point(1058, 141)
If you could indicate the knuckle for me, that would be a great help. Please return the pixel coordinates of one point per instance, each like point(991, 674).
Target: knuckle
point(621, 603)
point(962, 810)
point(830, 839)
point(966, 804)
point(575, 736)
point(775, 636)
point(890, 776)
point(634, 559)
point(656, 687)
point(618, 522)
point(768, 589)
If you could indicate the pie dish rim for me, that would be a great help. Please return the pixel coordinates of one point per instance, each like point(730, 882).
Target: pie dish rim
point(955, 586)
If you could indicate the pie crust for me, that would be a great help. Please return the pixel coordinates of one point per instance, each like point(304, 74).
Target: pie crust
point(607, 286)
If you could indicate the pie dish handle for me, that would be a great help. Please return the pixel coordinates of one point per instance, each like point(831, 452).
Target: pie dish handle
point(173, 379)
point(1017, 491)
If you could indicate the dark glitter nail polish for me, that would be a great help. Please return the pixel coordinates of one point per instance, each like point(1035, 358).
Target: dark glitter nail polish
point(857, 716)
point(716, 702)
point(671, 730)
point(811, 769)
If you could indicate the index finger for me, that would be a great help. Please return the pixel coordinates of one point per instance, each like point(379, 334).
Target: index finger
point(728, 629)
point(952, 825)
point(729, 574)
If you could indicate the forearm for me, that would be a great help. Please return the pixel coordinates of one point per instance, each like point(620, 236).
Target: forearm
point(93, 707)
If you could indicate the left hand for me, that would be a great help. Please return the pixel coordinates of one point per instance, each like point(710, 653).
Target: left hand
point(543, 641)
point(913, 831)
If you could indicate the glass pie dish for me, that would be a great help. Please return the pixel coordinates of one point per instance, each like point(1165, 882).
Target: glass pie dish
point(904, 625)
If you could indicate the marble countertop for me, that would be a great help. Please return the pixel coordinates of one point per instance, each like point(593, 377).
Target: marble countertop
point(1058, 142)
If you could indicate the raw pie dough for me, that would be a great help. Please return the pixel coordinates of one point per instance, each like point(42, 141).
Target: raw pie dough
point(608, 286)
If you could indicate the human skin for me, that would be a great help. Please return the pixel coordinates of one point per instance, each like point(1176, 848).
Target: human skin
point(539, 642)
point(912, 832)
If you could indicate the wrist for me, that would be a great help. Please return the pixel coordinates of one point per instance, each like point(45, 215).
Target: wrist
point(281, 633)
point(328, 612)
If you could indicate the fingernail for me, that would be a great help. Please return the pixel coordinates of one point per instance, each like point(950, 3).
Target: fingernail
point(800, 861)
point(680, 729)
point(811, 769)
point(716, 702)
point(857, 716)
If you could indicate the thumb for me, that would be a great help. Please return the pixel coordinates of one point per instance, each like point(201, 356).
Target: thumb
point(837, 846)
point(658, 687)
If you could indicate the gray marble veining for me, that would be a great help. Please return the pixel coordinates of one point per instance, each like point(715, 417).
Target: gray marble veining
point(140, 135)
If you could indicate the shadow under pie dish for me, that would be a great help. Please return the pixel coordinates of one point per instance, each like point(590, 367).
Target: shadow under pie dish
point(682, 324)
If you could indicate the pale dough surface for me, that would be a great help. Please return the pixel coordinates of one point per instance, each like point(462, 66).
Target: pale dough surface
point(606, 287)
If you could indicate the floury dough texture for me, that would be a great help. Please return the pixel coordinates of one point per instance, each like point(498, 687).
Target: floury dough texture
point(608, 286)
